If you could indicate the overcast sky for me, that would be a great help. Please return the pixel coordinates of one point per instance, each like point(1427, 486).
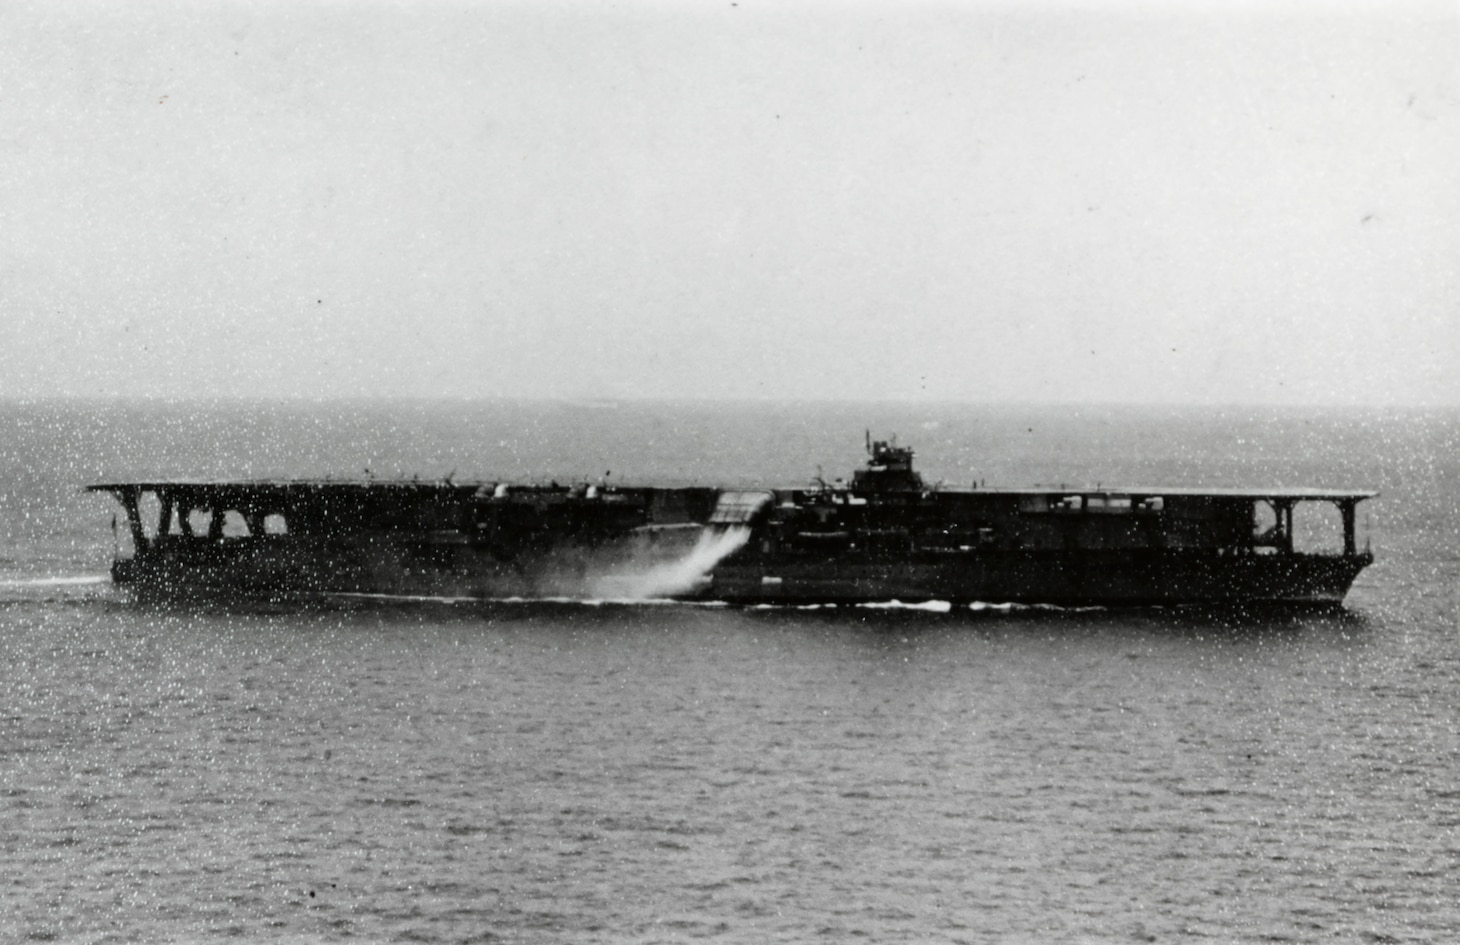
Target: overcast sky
point(1158, 203)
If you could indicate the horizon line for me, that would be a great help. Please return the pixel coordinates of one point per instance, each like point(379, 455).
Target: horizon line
point(617, 400)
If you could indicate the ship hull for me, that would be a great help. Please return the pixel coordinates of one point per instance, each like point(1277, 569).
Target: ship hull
point(454, 569)
point(1063, 578)
point(441, 566)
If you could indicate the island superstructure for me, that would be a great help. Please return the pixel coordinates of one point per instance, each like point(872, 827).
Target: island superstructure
point(886, 535)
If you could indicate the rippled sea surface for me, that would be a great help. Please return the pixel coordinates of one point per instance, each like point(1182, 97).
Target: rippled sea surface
point(598, 772)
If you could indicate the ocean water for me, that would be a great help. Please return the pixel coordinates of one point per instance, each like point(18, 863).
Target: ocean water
point(599, 772)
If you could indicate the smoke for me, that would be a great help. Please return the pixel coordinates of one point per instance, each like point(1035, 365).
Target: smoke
point(682, 575)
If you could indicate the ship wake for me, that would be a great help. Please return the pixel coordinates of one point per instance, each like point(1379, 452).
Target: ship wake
point(57, 581)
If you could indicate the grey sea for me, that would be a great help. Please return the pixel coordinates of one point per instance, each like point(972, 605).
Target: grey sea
point(606, 772)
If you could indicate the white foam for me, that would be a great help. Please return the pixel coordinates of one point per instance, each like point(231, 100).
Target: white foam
point(413, 598)
point(931, 606)
point(76, 580)
point(528, 601)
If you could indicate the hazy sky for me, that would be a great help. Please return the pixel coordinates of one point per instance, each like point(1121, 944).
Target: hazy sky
point(1164, 202)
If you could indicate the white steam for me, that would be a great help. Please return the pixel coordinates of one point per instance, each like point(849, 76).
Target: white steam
point(682, 575)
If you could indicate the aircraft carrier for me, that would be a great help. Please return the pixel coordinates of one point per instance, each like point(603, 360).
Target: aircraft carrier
point(885, 535)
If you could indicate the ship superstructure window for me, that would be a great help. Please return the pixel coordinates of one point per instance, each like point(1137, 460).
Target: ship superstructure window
point(275, 525)
point(1094, 503)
